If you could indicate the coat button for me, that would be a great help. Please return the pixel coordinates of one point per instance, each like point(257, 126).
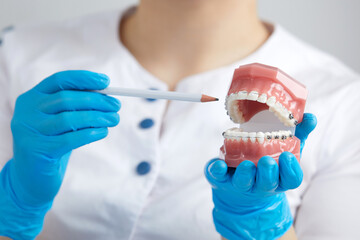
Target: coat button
point(151, 99)
point(146, 123)
point(143, 168)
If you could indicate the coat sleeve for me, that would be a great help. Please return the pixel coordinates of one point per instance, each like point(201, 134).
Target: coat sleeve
point(330, 205)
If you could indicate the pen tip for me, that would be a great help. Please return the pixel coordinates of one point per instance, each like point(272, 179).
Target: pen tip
point(206, 98)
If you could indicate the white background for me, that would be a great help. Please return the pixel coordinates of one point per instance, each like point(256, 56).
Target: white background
point(331, 25)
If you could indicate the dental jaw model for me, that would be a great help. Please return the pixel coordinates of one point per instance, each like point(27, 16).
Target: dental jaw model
point(268, 104)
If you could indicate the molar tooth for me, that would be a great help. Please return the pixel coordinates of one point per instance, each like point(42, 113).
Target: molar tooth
point(262, 98)
point(253, 96)
point(268, 136)
point(293, 122)
point(284, 135)
point(271, 101)
point(275, 135)
point(285, 115)
point(288, 124)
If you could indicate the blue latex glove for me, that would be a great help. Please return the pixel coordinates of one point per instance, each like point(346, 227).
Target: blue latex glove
point(49, 121)
point(249, 201)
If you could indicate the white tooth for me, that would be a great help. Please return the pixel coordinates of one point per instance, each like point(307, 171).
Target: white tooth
point(278, 107)
point(285, 114)
point(260, 135)
point(231, 133)
point(271, 109)
point(290, 134)
point(268, 135)
point(245, 134)
point(271, 101)
point(283, 135)
point(253, 96)
point(288, 123)
point(279, 116)
point(292, 122)
point(274, 134)
point(242, 95)
point(262, 98)
point(252, 136)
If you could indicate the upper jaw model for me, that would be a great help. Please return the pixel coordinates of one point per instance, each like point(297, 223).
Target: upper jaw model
point(255, 88)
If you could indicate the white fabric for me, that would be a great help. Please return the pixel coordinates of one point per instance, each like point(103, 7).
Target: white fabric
point(103, 197)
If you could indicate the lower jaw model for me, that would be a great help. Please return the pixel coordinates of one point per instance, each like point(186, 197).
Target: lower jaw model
point(254, 89)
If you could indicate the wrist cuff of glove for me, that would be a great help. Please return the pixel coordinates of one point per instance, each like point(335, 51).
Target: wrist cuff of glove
point(16, 221)
point(270, 222)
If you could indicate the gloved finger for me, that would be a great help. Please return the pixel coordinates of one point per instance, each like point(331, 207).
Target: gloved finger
point(244, 176)
point(73, 80)
point(72, 121)
point(78, 100)
point(267, 175)
point(307, 125)
point(67, 142)
point(216, 171)
point(291, 174)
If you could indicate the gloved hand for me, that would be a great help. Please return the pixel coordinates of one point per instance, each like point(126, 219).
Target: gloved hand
point(249, 201)
point(49, 121)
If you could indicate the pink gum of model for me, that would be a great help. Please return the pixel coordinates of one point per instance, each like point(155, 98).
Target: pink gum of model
point(289, 94)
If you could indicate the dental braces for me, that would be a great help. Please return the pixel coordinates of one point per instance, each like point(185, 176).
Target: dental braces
point(237, 134)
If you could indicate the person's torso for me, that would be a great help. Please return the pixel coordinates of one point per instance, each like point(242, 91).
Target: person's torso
point(108, 191)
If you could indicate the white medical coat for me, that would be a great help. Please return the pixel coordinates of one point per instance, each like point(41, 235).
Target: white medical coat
point(103, 196)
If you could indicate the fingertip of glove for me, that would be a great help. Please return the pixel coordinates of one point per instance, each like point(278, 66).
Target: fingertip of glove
point(309, 122)
point(246, 167)
point(218, 168)
point(286, 156)
point(104, 79)
point(267, 161)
